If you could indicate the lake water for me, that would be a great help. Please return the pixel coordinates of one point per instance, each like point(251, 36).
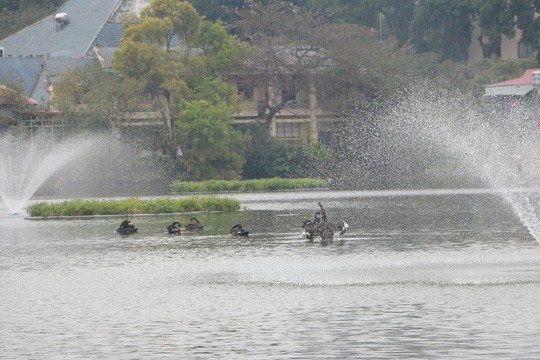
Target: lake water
point(418, 276)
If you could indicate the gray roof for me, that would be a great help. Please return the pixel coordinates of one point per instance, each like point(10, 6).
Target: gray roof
point(76, 39)
point(54, 68)
point(24, 70)
point(105, 55)
point(110, 35)
point(32, 71)
point(57, 66)
point(40, 93)
point(107, 42)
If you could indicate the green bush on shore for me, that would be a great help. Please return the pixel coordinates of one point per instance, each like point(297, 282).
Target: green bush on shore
point(247, 185)
point(132, 206)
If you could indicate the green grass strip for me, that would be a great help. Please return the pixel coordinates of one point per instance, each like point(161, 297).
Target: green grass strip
point(274, 184)
point(132, 206)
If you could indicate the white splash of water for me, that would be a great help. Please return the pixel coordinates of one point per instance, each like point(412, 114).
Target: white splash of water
point(500, 145)
point(25, 164)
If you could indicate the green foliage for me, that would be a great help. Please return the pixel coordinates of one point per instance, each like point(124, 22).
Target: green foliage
point(212, 148)
point(17, 14)
point(221, 50)
point(215, 10)
point(227, 10)
point(308, 160)
point(13, 101)
point(188, 83)
point(142, 61)
point(131, 206)
point(266, 156)
point(211, 89)
point(145, 53)
point(443, 26)
point(150, 30)
point(91, 98)
point(494, 70)
point(272, 184)
point(364, 68)
point(495, 18)
point(181, 15)
point(11, 5)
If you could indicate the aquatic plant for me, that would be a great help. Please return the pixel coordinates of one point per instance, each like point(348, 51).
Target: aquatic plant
point(81, 207)
point(272, 184)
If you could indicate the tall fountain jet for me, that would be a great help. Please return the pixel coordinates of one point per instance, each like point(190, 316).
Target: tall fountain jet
point(495, 143)
point(27, 162)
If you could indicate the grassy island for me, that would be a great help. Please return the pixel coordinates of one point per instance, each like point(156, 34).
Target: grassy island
point(273, 184)
point(132, 206)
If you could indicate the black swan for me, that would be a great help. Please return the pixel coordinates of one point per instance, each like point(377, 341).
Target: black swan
point(237, 230)
point(194, 225)
point(126, 228)
point(174, 228)
point(321, 227)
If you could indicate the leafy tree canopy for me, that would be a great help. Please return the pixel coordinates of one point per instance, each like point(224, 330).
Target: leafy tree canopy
point(213, 150)
point(186, 79)
point(91, 98)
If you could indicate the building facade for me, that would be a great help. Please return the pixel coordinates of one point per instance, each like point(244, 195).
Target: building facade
point(299, 117)
point(510, 48)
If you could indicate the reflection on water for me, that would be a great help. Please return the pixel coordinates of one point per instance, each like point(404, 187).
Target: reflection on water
point(423, 277)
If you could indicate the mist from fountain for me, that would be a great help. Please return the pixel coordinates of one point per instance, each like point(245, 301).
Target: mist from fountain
point(95, 165)
point(499, 144)
point(27, 162)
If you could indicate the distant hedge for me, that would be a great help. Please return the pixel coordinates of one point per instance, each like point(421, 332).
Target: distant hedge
point(247, 185)
point(132, 206)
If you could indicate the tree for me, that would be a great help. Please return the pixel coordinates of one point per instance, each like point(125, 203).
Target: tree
point(91, 98)
point(186, 81)
point(502, 17)
point(443, 26)
point(525, 12)
point(495, 18)
point(17, 14)
point(182, 19)
point(222, 52)
point(145, 52)
point(213, 150)
point(266, 157)
point(12, 101)
point(227, 10)
point(147, 63)
point(286, 52)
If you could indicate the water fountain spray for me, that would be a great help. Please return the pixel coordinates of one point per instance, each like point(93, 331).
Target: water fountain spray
point(495, 142)
point(86, 165)
point(498, 144)
point(27, 162)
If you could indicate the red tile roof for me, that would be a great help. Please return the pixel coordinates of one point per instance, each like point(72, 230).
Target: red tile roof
point(525, 79)
point(7, 96)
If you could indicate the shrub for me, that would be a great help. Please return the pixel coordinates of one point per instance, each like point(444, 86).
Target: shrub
point(132, 206)
point(272, 184)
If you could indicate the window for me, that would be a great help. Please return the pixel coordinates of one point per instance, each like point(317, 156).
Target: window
point(525, 51)
point(287, 130)
point(288, 94)
point(245, 89)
